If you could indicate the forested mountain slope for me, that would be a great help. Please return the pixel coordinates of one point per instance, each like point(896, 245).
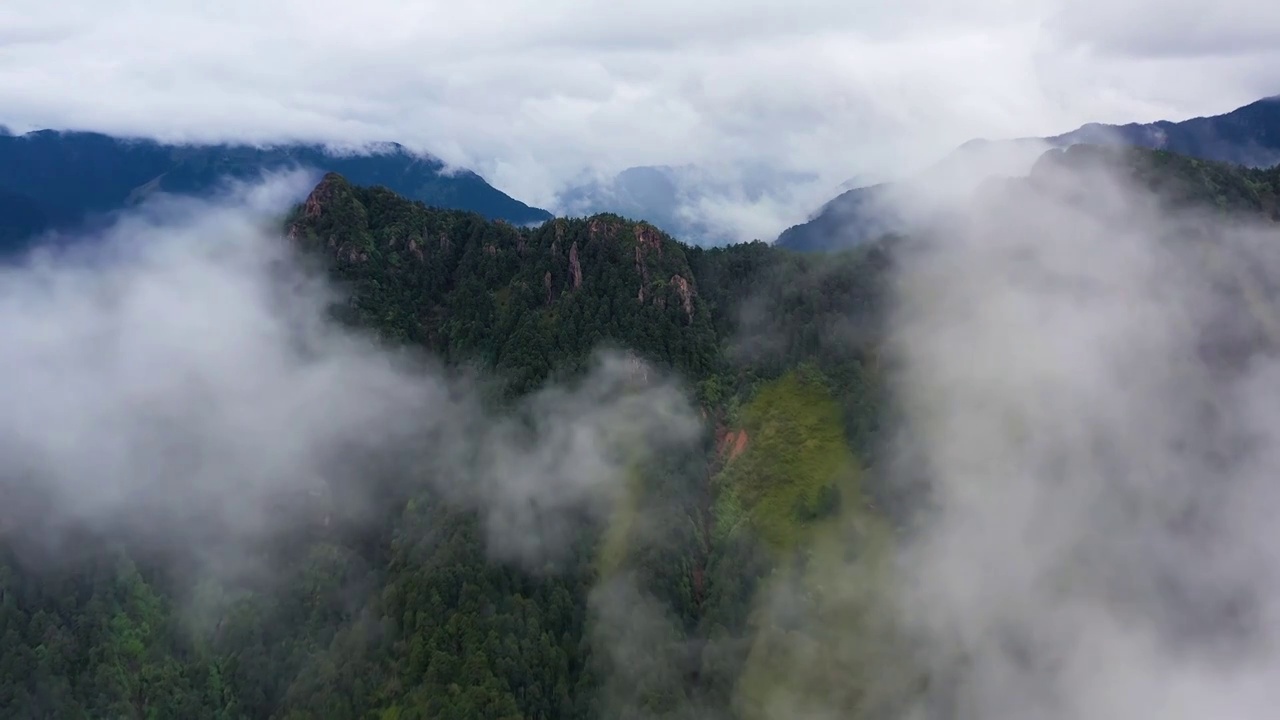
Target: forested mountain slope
point(740, 575)
point(411, 615)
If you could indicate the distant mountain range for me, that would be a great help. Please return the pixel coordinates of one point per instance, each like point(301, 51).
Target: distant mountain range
point(61, 181)
point(54, 181)
point(1248, 136)
point(683, 200)
point(582, 540)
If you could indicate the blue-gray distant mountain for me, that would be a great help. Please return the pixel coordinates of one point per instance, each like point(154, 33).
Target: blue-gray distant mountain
point(60, 180)
point(1248, 136)
point(672, 198)
point(649, 193)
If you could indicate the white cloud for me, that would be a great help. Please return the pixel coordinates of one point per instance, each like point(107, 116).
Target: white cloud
point(180, 378)
point(1084, 376)
point(532, 95)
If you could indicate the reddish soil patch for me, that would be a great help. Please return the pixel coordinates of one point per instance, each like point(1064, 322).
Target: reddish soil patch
point(731, 444)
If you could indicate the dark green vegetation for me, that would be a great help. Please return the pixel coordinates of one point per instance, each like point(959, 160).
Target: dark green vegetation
point(409, 616)
point(1179, 182)
point(1248, 136)
point(51, 180)
point(745, 578)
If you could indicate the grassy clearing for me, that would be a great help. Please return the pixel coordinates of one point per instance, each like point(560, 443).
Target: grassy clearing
point(825, 640)
point(796, 467)
point(822, 621)
point(617, 535)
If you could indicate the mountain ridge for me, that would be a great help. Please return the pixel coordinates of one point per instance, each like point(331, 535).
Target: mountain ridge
point(675, 198)
point(1248, 135)
point(63, 180)
point(717, 586)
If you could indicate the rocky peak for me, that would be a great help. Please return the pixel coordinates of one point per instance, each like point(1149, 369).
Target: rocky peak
point(643, 270)
point(331, 208)
point(648, 240)
point(575, 267)
point(601, 225)
point(330, 186)
point(685, 291)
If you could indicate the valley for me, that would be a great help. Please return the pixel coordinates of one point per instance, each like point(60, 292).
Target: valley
point(740, 566)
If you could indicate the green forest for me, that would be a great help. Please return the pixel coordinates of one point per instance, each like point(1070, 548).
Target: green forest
point(743, 576)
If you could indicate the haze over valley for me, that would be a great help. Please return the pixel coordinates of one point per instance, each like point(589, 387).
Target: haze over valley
point(729, 361)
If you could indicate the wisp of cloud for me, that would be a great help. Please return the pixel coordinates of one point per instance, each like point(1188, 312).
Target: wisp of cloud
point(1088, 378)
point(179, 378)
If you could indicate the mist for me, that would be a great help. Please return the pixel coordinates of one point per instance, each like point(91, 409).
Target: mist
point(1088, 382)
point(1083, 379)
point(179, 378)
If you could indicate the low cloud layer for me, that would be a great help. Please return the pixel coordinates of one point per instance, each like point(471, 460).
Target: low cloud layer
point(533, 98)
point(179, 378)
point(1088, 380)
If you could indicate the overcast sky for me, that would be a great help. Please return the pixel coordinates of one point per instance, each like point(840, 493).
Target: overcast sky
point(532, 94)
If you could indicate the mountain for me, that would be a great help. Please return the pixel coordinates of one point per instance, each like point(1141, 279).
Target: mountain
point(684, 200)
point(60, 180)
point(645, 192)
point(406, 614)
point(1248, 136)
point(22, 216)
point(740, 576)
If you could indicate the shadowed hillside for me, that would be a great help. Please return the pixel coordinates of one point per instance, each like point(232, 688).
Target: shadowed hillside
point(59, 181)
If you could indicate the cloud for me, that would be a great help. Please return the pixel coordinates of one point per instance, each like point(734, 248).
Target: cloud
point(710, 204)
point(1085, 375)
point(179, 380)
point(1086, 378)
point(1181, 30)
point(531, 98)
